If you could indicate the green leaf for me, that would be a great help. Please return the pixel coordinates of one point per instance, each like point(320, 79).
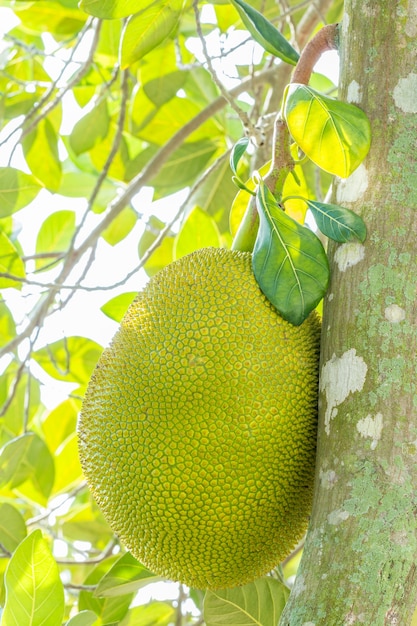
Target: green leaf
point(12, 527)
point(289, 261)
point(215, 196)
point(184, 165)
point(120, 226)
point(110, 9)
point(127, 575)
point(162, 89)
point(100, 152)
point(335, 135)
point(164, 254)
point(237, 152)
point(107, 53)
point(7, 324)
point(152, 614)
point(40, 148)
point(111, 609)
point(17, 189)
point(265, 33)
point(24, 391)
point(60, 423)
point(27, 458)
point(54, 236)
point(337, 223)
point(117, 306)
point(257, 604)
point(148, 28)
point(34, 591)
point(86, 523)
point(91, 129)
point(71, 359)
point(68, 471)
point(10, 263)
point(198, 231)
point(84, 618)
point(171, 118)
point(80, 185)
point(60, 19)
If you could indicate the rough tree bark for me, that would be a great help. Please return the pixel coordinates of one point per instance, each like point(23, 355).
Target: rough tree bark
point(360, 561)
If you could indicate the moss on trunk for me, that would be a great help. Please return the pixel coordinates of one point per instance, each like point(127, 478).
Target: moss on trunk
point(360, 561)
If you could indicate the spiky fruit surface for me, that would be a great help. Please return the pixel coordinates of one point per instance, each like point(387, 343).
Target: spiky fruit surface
point(198, 430)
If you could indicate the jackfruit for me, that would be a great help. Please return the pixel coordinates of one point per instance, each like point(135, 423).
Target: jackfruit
point(198, 429)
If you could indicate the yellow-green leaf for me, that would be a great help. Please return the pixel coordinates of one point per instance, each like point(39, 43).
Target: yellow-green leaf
point(34, 591)
point(152, 614)
point(10, 263)
point(40, 148)
point(84, 618)
point(120, 226)
point(54, 237)
point(335, 135)
point(257, 604)
point(71, 359)
point(91, 129)
point(12, 527)
point(27, 465)
point(17, 189)
point(117, 306)
point(60, 423)
point(68, 471)
point(198, 231)
point(148, 28)
point(127, 575)
point(112, 609)
point(164, 254)
point(7, 324)
point(111, 9)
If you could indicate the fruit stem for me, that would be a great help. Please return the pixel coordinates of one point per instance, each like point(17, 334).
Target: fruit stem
point(245, 237)
point(282, 164)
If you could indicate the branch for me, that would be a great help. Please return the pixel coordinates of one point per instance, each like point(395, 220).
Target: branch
point(39, 518)
point(325, 40)
point(108, 551)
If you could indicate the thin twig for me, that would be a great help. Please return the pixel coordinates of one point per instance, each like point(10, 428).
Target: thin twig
point(18, 377)
point(6, 554)
point(81, 72)
point(110, 158)
point(108, 551)
point(39, 518)
point(116, 142)
point(80, 587)
point(243, 116)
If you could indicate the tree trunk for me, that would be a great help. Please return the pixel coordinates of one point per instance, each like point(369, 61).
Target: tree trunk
point(360, 561)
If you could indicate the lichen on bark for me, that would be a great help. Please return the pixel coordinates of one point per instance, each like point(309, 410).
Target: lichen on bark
point(358, 565)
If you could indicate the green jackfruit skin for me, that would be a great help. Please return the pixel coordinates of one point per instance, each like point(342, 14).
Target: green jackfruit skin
point(198, 430)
